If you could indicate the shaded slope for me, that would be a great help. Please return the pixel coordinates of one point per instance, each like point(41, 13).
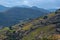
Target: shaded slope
point(16, 14)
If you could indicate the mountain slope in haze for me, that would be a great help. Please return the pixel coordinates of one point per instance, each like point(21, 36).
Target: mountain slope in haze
point(15, 14)
point(41, 9)
point(52, 10)
point(3, 8)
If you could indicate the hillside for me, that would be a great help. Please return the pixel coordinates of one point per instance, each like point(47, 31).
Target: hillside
point(41, 28)
point(16, 14)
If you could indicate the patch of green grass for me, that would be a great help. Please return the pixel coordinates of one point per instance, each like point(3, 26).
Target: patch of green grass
point(33, 34)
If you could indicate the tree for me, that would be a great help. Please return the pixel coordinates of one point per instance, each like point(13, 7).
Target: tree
point(45, 17)
point(57, 11)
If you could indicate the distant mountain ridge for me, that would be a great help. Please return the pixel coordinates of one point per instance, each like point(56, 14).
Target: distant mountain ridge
point(41, 9)
point(15, 14)
point(52, 10)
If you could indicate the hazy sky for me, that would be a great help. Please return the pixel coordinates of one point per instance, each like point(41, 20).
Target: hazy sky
point(39, 3)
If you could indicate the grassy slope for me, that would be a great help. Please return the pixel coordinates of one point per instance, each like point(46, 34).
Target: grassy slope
point(46, 30)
